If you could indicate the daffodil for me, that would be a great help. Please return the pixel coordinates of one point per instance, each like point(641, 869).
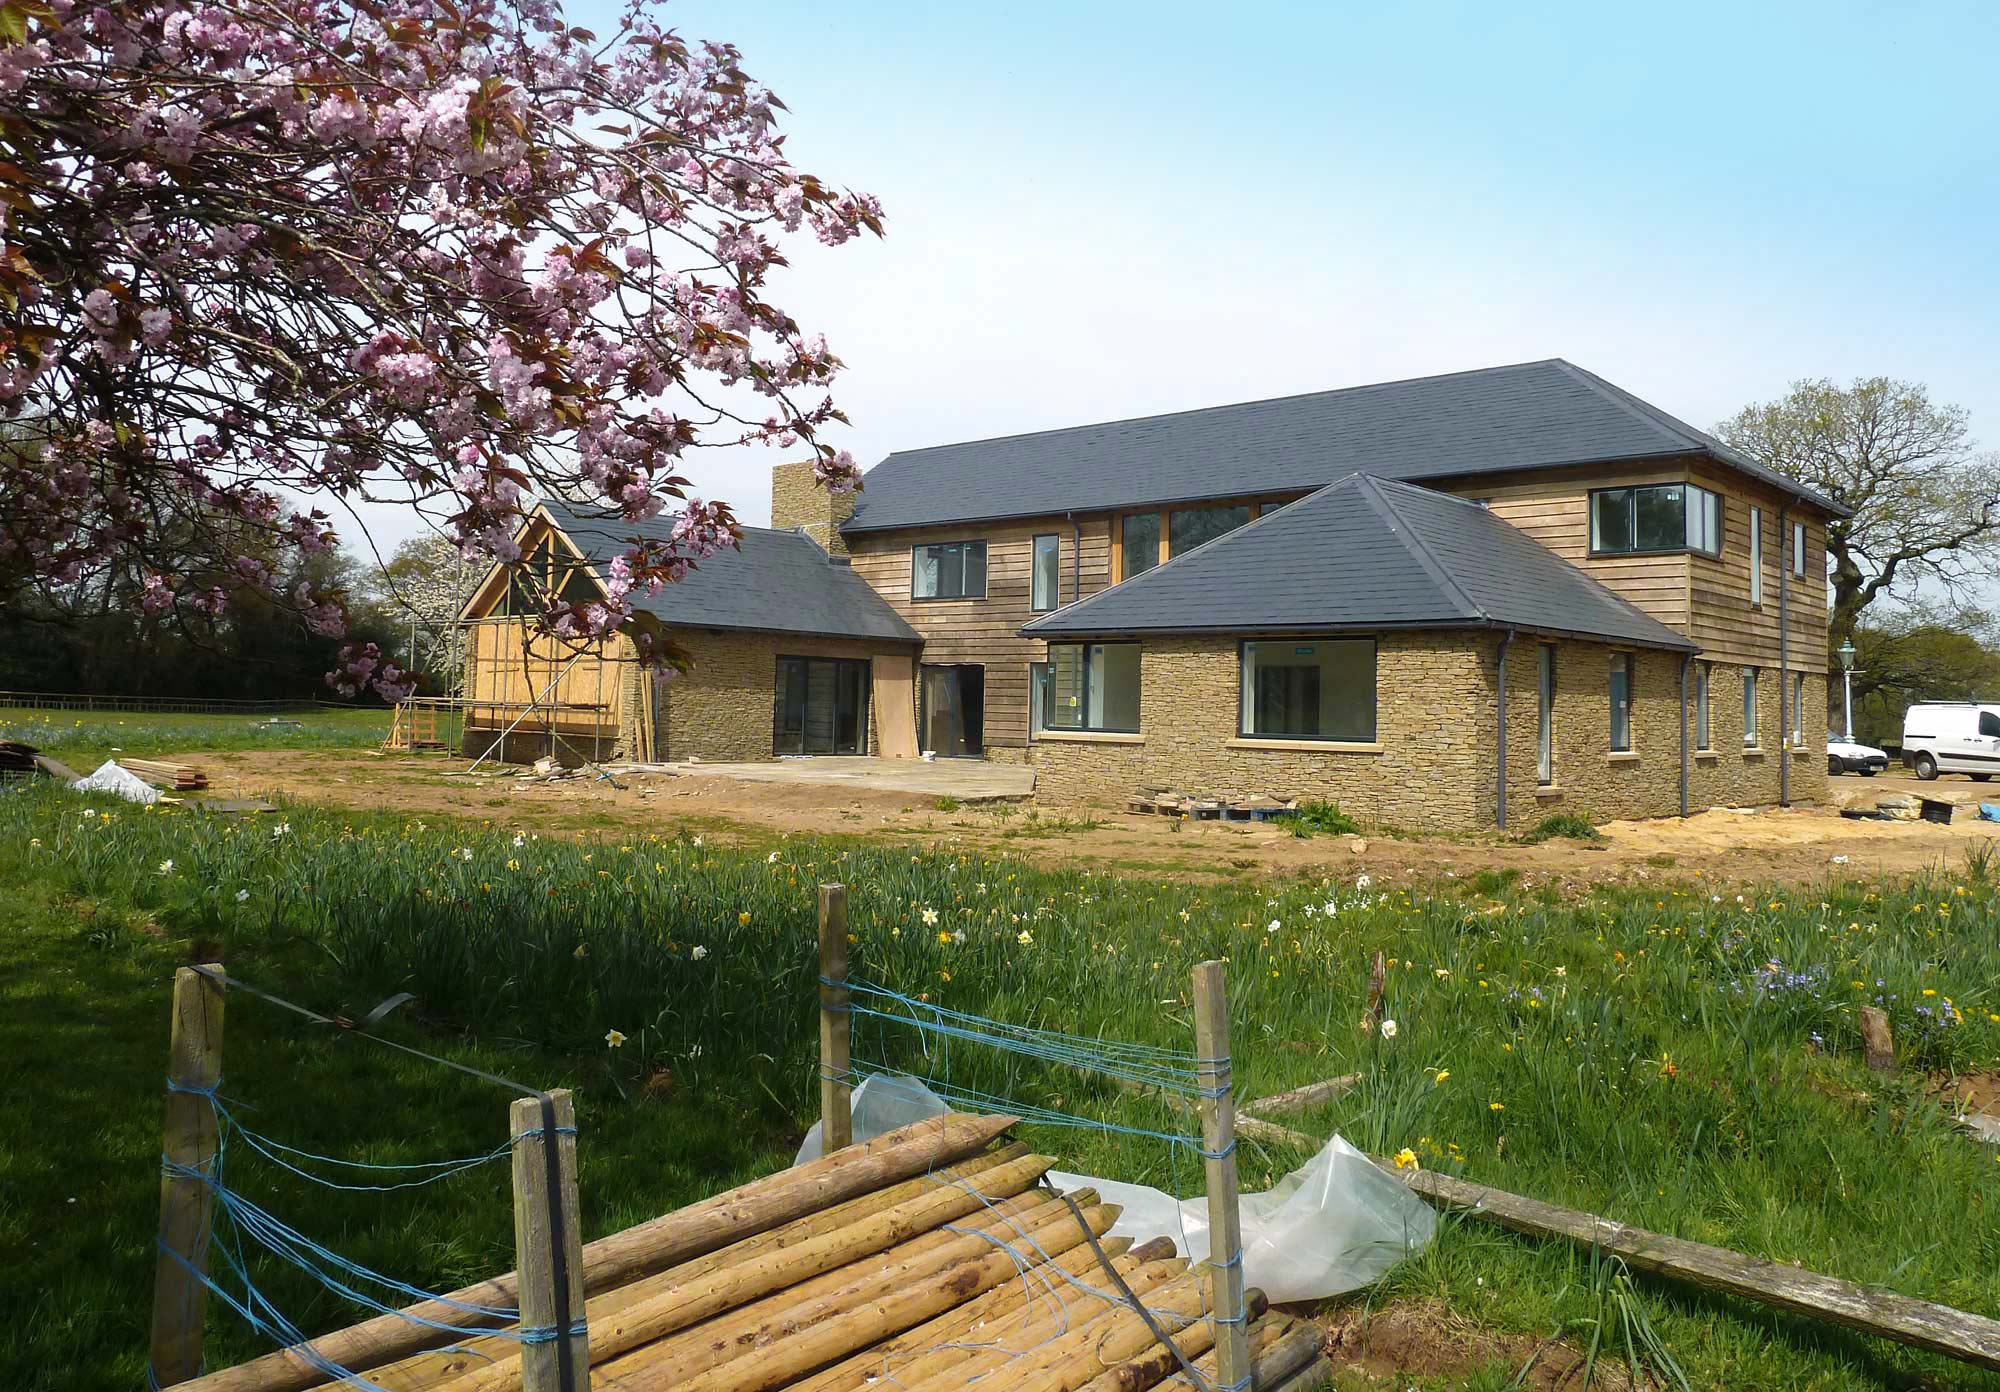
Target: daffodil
point(614, 1039)
point(1388, 1029)
point(699, 953)
point(1406, 1159)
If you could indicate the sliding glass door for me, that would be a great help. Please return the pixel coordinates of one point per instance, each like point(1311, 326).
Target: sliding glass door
point(820, 706)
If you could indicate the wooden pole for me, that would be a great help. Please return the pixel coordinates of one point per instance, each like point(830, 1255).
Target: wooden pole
point(545, 1225)
point(1218, 1135)
point(187, 1204)
point(836, 1115)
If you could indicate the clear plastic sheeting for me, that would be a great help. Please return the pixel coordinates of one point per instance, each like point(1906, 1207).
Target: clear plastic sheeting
point(119, 782)
point(1336, 1225)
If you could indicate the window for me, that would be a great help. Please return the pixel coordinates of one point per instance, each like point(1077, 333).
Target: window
point(1141, 545)
point(1190, 527)
point(1798, 710)
point(1093, 686)
point(948, 570)
point(1749, 707)
point(1621, 703)
point(1545, 729)
point(1039, 690)
point(1989, 724)
point(1321, 690)
point(1701, 725)
point(1756, 555)
point(1799, 549)
point(1658, 517)
point(1048, 574)
point(547, 575)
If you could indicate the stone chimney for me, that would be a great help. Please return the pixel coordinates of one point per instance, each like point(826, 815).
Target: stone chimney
point(799, 503)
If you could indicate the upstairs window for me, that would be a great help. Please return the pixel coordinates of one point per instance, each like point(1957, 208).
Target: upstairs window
point(948, 570)
point(1140, 548)
point(1190, 527)
point(1320, 690)
point(1093, 686)
point(1799, 549)
point(1656, 518)
point(1048, 573)
point(1756, 555)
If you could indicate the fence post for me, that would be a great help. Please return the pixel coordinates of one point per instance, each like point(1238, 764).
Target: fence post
point(1218, 1135)
point(190, 1142)
point(548, 1247)
point(836, 1115)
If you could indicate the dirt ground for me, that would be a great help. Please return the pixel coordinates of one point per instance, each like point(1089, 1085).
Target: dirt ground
point(1802, 845)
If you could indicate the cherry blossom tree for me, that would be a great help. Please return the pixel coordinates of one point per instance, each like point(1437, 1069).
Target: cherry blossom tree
point(261, 260)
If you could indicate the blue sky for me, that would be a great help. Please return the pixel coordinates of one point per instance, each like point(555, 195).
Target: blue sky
point(1104, 210)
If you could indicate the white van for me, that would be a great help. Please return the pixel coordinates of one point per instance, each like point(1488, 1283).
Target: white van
point(1952, 737)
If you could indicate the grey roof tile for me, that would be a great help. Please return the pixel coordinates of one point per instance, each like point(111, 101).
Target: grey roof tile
point(775, 582)
point(1537, 415)
point(1364, 554)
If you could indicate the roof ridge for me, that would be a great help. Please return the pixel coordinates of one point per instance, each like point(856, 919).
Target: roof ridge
point(1356, 389)
point(1385, 507)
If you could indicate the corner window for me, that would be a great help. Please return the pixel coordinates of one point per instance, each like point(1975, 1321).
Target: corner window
point(1545, 724)
point(1701, 722)
point(1799, 549)
point(1658, 517)
point(1749, 707)
point(1093, 686)
point(1190, 527)
point(1756, 555)
point(1621, 703)
point(1319, 690)
point(948, 570)
point(1048, 574)
point(1140, 546)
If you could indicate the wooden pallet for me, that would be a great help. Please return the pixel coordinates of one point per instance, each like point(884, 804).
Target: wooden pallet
point(954, 1269)
point(413, 727)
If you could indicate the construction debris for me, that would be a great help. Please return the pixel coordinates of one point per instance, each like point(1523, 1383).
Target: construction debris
point(180, 778)
point(1230, 809)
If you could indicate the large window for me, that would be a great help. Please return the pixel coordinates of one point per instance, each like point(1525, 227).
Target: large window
point(1658, 517)
point(1320, 690)
point(948, 570)
point(1749, 707)
point(1545, 721)
point(1093, 686)
point(1048, 573)
point(1190, 527)
point(1140, 547)
point(1701, 722)
point(1621, 703)
point(1756, 555)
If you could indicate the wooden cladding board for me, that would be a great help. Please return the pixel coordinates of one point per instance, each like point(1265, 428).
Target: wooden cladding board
point(507, 665)
point(986, 631)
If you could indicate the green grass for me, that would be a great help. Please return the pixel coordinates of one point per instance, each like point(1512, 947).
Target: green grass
point(84, 739)
point(1568, 825)
point(1676, 1059)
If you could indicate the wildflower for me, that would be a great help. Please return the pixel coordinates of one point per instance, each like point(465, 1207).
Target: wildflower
point(513, 864)
point(1367, 1025)
point(34, 843)
point(1362, 882)
point(1439, 1077)
point(1562, 971)
point(1442, 972)
point(1388, 1029)
point(519, 840)
point(613, 1039)
point(743, 919)
point(944, 976)
point(1025, 938)
point(582, 951)
point(1496, 1106)
point(930, 917)
point(167, 868)
point(1184, 915)
point(283, 829)
point(771, 859)
point(697, 843)
point(1272, 926)
point(1330, 908)
point(89, 812)
point(463, 853)
point(1927, 990)
point(1406, 1159)
point(242, 896)
point(699, 953)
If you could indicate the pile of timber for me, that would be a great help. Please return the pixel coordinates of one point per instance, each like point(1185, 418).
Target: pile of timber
point(179, 778)
point(880, 1264)
point(17, 758)
point(1228, 809)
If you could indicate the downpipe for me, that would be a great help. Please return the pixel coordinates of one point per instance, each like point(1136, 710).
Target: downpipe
point(1500, 801)
point(1785, 565)
point(1687, 664)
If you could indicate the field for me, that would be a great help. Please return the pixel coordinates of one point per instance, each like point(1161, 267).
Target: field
point(84, 739)
point(1667, 1054)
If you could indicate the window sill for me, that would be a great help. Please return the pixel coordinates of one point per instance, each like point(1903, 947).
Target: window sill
point(1548, 792)
point(1305, 745)
point(1089, 737)
point(1706, 756)
point(1622, 756)
point(1753, 752)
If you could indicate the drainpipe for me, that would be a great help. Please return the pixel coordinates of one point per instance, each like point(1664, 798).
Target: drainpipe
point(1785, 565)
point(1687, 662)
point(1075, 561)
point(1500, 803)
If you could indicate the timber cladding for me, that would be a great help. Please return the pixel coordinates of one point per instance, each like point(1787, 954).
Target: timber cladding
point(1437, 716)
point(985, 631)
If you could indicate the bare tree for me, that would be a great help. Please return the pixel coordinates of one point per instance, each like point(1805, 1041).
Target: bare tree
point(1926, 503)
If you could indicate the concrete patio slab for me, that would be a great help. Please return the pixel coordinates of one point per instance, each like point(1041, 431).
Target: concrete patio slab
point(968, 780)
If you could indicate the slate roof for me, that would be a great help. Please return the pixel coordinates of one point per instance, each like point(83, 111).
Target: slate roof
point(1364, 554)
point(775, 582)
point(1538, 415)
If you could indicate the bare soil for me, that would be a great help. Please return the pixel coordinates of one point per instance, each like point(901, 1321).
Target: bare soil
point(1427, 1339)
point(1720, 847)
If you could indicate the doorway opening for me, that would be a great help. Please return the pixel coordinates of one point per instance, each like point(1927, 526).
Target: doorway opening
point(953, 720)
point(820, 706)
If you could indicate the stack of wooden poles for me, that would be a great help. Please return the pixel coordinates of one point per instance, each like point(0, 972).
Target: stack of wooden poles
point(879, 1265)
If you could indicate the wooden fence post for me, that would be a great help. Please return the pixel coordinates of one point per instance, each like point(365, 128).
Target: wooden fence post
point(836, 1114)
point(537, 1239)
point(1218, 1135)
point(191, 1142)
